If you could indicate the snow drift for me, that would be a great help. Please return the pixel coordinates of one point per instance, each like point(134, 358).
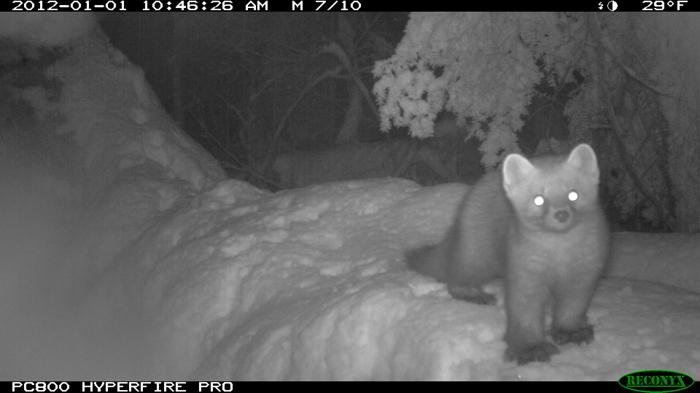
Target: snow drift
point(129, 255)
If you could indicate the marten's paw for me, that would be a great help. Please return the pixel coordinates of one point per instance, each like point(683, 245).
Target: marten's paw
point(582, 335)
point(540, 352)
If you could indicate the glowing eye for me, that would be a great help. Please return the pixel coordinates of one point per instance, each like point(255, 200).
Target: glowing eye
point(539, 200)
point(573, 195)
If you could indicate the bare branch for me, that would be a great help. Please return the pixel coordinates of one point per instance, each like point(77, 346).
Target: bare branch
point(290, 109)
point(617, 129)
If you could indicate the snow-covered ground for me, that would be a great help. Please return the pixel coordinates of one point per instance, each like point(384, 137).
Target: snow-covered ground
point(129, 255)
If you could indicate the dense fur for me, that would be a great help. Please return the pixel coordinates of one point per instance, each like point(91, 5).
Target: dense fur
point(539, 225)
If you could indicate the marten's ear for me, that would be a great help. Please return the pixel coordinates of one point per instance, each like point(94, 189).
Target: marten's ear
point(516, 170)
point(584, 160)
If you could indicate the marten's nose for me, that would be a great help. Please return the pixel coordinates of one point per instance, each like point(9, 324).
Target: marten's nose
point(562, 216)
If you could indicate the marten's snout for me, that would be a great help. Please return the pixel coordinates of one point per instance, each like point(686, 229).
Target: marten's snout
point(562, 216)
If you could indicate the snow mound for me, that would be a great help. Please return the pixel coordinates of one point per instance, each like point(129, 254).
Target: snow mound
point(311, 284)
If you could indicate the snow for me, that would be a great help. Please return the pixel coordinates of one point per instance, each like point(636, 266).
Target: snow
point(150, 264)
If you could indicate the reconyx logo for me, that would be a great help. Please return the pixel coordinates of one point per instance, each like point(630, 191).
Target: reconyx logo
point(656, 381)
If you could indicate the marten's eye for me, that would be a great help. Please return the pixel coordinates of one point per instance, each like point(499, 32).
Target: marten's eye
point(573, 196)
point(539, 200)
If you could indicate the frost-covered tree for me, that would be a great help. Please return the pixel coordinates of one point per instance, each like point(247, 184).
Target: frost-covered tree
point(634, 96)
